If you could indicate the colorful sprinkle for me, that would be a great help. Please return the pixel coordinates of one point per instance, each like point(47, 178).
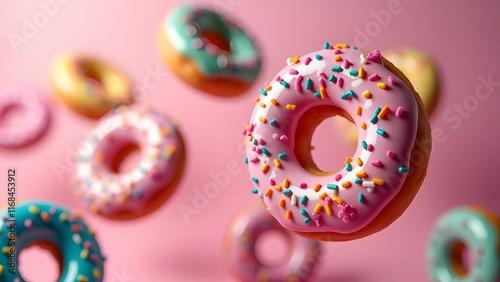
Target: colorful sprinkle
point(383, 112)
point(390, 154)
point(293, 201)
point(391, 80)
point(277, 163)
point(374, 77)
point(346, 184)
point(382, 85)
point(332, 78)
point(317, 187)
point(364, 145)
point(332, 186)
point(361, 73)
point(337, 69)
point(359, 161)
point(376, 163)
point(399, 111)
point(304, 199)
point(268, 192)
point(378, 181)
point(367, 94)
point(308, 83)
point(348, 167)
point(361, 198)
point(359, 110)
point(288, 215)
point(318, 57)
point(265, 168)
point(263, 91)
point(284, 83)
point(403, 169)
point(291, 107)
point(381, 132)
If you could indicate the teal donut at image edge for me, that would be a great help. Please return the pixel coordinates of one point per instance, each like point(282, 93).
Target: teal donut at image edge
point(44, 222)
point(184, 27)
point(480, 237)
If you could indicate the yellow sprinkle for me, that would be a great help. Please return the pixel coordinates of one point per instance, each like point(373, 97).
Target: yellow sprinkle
point(381, 85)
point(263, 105)
point(295, 59)
point(361, 174)
point(84, 254)
point(383, 112)
point(346, 184)
point(328, 209)
point(359, 110)
point(359, 161)
point(322, 196)
point(281, 203)
point(250, 138)
point(288, 215)
point(278, 188)
point(164, 131)
point(94, 208)
point(81, 278)
point(6, 250)
point(322, 92)
point(348, 160)
point(96, 273)
point(1, 269)
point(317, 187)
point(378, 181)
point(268, 87)
point(274, 102)
point(337, 200)
point(122, 199)
point(341, 46)
point(265, 168)
point(318, 208)
point(268, 193)
point(171, 149)
point(367, 94)
point(263, 119)
point(361, 72)
point(34, 209)
point(63, 217)
point(290, 107)
point(277, 163)
point(363, 125)
point(286, 183)
point(337, 58)
point(257, 99)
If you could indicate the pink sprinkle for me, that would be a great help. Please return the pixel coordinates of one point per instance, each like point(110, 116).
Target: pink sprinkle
point(258, 151)
point(328, 200)
point(374, 77)
point(370, 148)
point(211, 49)
point(303, 185)
point(261, 141)
point(374, 56)
point(376, 163)
point(283, 138)
point(346, 64)
point(391, 80)
point(197, 44)
point(254, 148)
point(315, 215)
point(297, 86)
point(254, 159)
point(308, 60)
point(399, 111)
point(318, 223)
point(340, 82)
point(276, 136)
point(87, 244)
point(390, 154)
point(93, 258)
point(337, 51)
point(322, 74)
point(251, 127)
point(293, 71)
point(272, 181)
point(28, 223)
point(299, 79)
point(278, 78)
point(322, 82)
point(244, 132)
point(338, 177)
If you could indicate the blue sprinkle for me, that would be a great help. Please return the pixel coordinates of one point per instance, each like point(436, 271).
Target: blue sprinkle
point(354, 47)
point(348, 167)
point(403, 169)
point(374, 119)
point(246, 160)
point(317, 95)
point(364, 145)
point(351, 93)
point(265, 151)
point(326, 45)
point(308, 83)
point(255, 191)
point(255, 141)
point(307, 220)
point(284, 83)
point(273, 122)
point(332, 186)
point(282, 156)
point(380, 132)
point(332, 78)
point(263, 91)
point(287, 191)
point(137, 193)
point(303, 212)
point(337, 68)
point(361, 198)
point(353, 72)
point(255, 179)
point(318, 57)
point(345, 96)
point(377, 111)
point(358, 180)
point(304, 199)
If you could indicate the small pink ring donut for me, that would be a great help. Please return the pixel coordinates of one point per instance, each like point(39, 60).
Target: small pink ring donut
point(244, 233)
point(33, 124)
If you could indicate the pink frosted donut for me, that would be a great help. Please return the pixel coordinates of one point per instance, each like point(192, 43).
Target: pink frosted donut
point(243, 235)
point(140, 190)
point(377, 183)
point(34, 122)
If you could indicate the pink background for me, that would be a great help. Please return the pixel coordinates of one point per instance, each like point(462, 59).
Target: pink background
point(164, 246)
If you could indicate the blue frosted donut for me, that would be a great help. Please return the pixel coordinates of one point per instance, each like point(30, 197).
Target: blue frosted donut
point(473, 229)
point(56, 229)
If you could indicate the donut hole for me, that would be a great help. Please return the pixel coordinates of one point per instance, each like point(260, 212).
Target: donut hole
point(12, 115)
point(319, 148)
point(126, 158)
point(272, 248)
point(461, 259)
point(217, 39)
point(40, 262)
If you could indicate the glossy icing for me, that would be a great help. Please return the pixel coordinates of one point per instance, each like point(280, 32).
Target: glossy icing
point(184, 27)
point(480, 236)
point(244, 234)
point(381, 106)
point(41, 221)
point(160, 146)
point(34, 122)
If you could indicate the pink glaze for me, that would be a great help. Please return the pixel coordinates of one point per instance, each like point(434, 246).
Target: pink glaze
point(108, 192)
point(33, 124)
point(351, 198)
point(244, 234)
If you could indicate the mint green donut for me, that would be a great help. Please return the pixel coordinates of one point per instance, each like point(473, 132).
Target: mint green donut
point(38, 222)
point(479, 234)
point(184, 28)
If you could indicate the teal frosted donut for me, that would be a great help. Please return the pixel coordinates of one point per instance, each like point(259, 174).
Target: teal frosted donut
point(208, 51)
point(56, 229)
point(466, 228)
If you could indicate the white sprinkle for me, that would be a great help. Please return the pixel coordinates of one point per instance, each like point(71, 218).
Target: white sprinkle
point(294, 200)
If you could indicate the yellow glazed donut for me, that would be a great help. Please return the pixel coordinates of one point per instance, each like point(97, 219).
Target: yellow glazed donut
point(89, 86)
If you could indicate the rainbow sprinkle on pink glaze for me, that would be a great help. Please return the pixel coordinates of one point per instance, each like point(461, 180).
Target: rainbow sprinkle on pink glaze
point(349, 199)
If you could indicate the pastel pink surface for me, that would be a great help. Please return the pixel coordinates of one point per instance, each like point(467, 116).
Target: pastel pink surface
point(164, 246)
